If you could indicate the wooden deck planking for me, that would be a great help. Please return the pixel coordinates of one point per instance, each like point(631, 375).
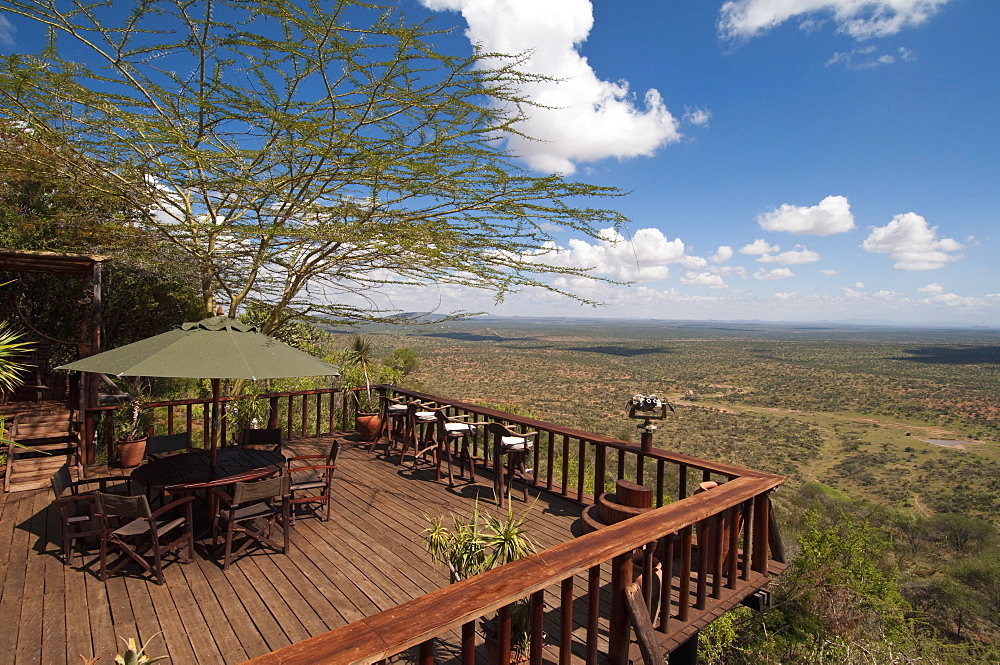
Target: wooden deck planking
point(369, 557)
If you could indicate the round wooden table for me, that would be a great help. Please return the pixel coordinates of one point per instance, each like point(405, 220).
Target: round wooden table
point(191, 471)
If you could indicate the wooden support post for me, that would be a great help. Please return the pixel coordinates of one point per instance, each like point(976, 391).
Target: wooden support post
point(272, 414)
point(426, 655)
point(600, 469)
point(684, 597)
point(649, 644)
point(593, 613)
point(468, 638)
point(761, 519)
point(566, 621)
point(620, 630)
point(537, 608)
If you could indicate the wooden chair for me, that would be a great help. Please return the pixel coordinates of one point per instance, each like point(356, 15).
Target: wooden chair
point(76, 506)
point(456, 434)
point(254, 508)
point(515, 446)
point(311, 480)
point(128, 525)
point(160, 446)
point(269, 439)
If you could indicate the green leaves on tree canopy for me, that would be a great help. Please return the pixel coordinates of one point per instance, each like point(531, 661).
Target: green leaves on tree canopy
point(303, 154)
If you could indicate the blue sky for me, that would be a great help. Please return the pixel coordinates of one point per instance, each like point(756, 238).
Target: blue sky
point(787, 159)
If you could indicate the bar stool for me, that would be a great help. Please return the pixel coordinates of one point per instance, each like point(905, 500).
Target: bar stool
point(455, 432)
point(515, 446)
point(420, 432)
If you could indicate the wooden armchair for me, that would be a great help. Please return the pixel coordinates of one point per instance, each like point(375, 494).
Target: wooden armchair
point(515, 446)
point(76, 506)
point(269, 439)
point(128, 525)
point(252, 510)
point(311, 480)
point(160, 446)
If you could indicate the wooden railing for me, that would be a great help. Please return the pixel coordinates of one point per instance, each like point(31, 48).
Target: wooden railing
point(720, 545)
point(689, 533)
point(580, 465)
point(298, 413)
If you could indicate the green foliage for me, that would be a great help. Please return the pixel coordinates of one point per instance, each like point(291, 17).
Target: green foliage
point(131, 419)
point(478, 543)
point(403, 359)
point(247, 411)
point(359, 368)
point(12, 349)
point(349, 154)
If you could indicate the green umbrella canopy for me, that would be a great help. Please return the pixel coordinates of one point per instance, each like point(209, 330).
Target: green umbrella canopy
point(214, 348)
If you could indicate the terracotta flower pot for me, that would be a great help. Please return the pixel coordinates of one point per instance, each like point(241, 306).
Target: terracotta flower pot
point(368, 425)
point(130, 453)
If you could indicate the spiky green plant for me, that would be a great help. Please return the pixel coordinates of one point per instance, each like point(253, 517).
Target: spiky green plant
point(11, 347)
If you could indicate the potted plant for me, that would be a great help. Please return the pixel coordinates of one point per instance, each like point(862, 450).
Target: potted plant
point(360, 370)
point(480, 543)
point(130, 423)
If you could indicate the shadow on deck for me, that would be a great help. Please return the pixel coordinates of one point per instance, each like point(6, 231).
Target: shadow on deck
point(367, 559)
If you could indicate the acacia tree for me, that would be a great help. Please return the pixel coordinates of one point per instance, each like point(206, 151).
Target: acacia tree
point(300, 152)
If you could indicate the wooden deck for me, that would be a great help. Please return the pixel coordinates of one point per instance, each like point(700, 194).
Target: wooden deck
point(369, 557)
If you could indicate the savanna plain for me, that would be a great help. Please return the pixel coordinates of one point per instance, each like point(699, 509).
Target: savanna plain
point(889, 439)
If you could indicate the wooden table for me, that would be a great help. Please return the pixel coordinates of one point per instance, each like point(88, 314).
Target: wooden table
point(188, 473)
point(191, 471)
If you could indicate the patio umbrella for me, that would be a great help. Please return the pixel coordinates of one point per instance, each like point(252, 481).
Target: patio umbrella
point(215, 348)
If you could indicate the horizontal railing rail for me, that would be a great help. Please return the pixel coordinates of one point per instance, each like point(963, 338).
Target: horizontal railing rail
point(298, 413)
point(581, 465)
point(691, 542)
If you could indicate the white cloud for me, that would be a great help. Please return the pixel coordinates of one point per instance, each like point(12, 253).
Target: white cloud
point(912, 243)
point(867, 58)
point(759, 247)
point(862, 19)
point(770, 275)
point(931, 289)
point(829, 272)
point(697, 117)
point(644, 258)
point(859, 285)
point(954, 300)
point(723, 254)
point(704, 279)
point(829, 216)
point(7, 32)
point(793, 257)
point(584, 118)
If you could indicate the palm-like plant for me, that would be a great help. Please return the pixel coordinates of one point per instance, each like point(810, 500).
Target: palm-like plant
point(359, 354)
point(11, 348)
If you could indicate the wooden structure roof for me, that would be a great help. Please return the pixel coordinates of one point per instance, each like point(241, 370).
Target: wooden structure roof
point(56, 263)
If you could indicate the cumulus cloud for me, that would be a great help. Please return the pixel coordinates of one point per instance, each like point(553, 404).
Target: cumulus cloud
point(581, 118)
point(723, 254)
point(645, 258)
point(829, 216)
point(740, 20)
point(795, 256)
point(770, 275)
point(759, 247)
point(704, 279)
point(912, 243)
point(828, 271)
point(931, 289)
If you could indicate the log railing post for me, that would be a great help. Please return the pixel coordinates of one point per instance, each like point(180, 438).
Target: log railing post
point(620, 628)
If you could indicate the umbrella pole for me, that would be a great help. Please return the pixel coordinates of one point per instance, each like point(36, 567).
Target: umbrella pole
point(214, 451)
